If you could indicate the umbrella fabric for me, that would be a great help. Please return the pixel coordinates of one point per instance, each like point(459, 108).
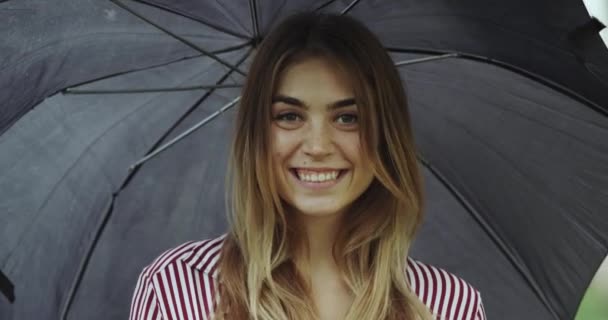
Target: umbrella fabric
point(514, 152)
point(46, 47)
point(512, 138)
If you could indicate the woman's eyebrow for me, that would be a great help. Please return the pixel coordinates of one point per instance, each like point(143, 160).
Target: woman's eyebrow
point(296, 102)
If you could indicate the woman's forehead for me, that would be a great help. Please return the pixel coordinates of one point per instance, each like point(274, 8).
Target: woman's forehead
point(314, 75)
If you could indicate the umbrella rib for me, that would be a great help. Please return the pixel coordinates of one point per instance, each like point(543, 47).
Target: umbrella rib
point(153, 149)
point(426, 59)
point(233, 48)
point(253, 9)
point(324, 5)
point(349, 7)
point(520, 267)
point(175, 89)
point(196, 19)
point(181, 39)
point(110, 208)
point(185, 133)
point(533, 76)
point(122, 73)
point(84, 262)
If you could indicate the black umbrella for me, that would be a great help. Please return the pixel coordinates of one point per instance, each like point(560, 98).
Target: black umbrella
point(511, 127)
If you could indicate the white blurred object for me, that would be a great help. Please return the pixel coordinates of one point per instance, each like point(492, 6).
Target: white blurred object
point(599, 10)
point(604, 36)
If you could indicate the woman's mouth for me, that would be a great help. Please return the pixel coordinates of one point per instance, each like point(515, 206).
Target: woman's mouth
point(317, 179)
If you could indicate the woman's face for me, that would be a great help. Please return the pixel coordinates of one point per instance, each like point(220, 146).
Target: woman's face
point(315, 139)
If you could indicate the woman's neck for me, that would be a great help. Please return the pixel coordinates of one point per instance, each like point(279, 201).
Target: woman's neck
point(320, 233)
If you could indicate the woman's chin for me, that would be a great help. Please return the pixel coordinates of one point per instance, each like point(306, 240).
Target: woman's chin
point(317, 210)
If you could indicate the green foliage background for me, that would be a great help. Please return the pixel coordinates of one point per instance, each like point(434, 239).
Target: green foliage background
point(595, 303)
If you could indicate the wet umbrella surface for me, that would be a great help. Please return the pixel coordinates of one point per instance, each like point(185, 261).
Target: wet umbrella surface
point(508, 102)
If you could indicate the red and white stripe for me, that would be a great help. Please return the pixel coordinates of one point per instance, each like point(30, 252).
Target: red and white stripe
point(447, 296)
point(181, 284)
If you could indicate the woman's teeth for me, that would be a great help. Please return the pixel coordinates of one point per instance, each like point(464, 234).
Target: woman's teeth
point(310, 176)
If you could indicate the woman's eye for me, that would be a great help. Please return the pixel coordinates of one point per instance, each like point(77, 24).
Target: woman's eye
point(288, 116)
point(347, 118)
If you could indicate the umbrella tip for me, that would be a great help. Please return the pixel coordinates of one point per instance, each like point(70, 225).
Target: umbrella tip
point(7, 287)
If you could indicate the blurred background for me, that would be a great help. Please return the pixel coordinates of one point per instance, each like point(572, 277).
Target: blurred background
point(595, 303)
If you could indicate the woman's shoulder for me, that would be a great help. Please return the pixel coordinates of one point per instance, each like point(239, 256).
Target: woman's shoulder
point(200, 255)
point(179, 283)
point(446, 294)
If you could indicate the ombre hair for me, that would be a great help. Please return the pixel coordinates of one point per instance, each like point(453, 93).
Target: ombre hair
point(258, 278)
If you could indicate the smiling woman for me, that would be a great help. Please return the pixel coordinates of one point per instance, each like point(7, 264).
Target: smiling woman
point(315, 140)
point(326, 196)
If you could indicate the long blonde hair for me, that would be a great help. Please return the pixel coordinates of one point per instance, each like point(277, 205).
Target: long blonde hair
point(257, 276)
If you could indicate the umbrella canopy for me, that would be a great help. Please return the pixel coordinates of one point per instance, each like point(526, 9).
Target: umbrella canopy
point(512, 133)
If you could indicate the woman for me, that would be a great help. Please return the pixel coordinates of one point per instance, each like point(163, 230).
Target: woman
point(326, 196)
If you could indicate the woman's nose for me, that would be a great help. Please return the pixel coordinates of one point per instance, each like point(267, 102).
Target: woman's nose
point(317, 141)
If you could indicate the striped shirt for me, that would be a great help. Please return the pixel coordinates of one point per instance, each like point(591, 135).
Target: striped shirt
point(181, 284)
